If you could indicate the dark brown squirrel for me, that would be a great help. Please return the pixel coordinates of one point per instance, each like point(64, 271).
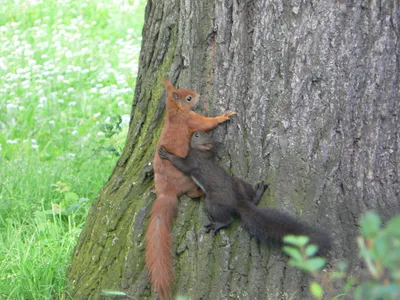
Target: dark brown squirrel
point(227, 196)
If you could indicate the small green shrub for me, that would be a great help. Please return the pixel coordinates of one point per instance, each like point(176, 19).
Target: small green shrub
point(379, 249)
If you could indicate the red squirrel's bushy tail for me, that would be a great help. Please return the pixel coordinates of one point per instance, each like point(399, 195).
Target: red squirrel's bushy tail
point(159, 244)
point(266, 222)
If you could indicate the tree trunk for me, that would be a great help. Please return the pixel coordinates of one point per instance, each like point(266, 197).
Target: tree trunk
point(316, 88)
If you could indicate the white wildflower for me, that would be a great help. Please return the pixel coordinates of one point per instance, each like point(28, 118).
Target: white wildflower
point(68, 54)
point(28, 52)
point(11, 106)
point(125, 120)
point(12, 142)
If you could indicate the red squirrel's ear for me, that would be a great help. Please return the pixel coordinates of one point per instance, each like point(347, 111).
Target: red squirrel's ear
point(175, 95)
point(168, 85)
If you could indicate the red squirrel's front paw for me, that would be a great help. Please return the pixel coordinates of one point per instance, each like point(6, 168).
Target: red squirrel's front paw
point(229, 114)
point(163, 152)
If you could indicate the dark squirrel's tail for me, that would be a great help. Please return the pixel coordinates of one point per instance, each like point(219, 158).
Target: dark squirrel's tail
point(266, 222)
point(159, 258)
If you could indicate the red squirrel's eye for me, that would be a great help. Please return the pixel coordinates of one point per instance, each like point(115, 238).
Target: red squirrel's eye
point(189, 98)
point(196, 134)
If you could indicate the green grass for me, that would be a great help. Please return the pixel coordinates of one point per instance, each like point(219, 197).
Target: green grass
point(67, 68)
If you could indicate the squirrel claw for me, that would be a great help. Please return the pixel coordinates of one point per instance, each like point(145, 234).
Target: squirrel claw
point(209, 227)
point(229, 114)
point(163, 152)
point(212, 227)
point(261, 185)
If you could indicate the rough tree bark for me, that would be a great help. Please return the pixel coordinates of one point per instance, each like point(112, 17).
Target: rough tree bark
point(316, 88)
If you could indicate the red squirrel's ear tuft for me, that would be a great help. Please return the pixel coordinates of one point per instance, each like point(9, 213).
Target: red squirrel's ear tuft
point(168, 85)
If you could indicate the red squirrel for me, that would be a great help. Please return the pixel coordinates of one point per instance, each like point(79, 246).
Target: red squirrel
point(227, 196)
point(170, 183)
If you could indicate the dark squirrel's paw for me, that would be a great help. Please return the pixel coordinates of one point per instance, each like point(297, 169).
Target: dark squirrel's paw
point(163, 152)
point(262, 186)
point(211, 227)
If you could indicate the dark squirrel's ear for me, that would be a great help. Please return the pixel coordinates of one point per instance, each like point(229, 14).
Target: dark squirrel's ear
point(175, 95)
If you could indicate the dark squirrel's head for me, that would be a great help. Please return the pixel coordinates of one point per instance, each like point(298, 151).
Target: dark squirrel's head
point(201, 141)
point(186, 98)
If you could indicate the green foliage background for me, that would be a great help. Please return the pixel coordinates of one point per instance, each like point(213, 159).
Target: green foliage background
point(67, 72)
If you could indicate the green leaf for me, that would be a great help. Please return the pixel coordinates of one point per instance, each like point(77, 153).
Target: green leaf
point(311, 250)
point(73, 207)
point(363, 292)
point(315, 263)
point(381, 291)
point(393, 226)
point(370, 224)
point(392, 259)
point(293, 252)
point(71, 197)
point(112, 150)
point(396, 274)
point(118, 122)
point(298, 241)
point(297, 264)
point(316, 290)
point(381, 246)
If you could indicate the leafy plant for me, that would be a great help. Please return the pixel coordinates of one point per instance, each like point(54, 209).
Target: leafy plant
point(70, 202)
point(379, 249)
point(111, 128)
